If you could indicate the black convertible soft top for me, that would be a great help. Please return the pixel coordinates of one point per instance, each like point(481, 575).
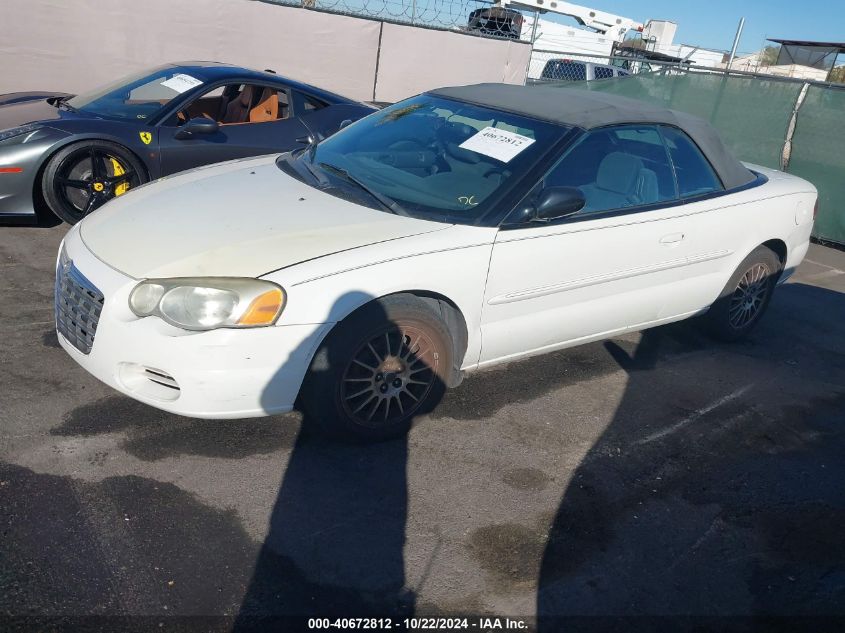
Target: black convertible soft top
point(589, 110)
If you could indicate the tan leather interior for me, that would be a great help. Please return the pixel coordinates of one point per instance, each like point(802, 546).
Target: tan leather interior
point(209, 107)
point(267, 108)
point(239, 109)
point(270, 106)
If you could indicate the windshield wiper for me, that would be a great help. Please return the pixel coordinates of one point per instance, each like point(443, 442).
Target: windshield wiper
point(388, 203)
point(318, 176)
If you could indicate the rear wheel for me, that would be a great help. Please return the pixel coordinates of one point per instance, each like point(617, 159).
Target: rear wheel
point(382, 366)
point(83, 176)
point(746, 296)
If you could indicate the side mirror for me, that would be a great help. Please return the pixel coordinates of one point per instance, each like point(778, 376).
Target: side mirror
point(344, 123)
point(554, 203)
point(311, 139)
point(197, 126)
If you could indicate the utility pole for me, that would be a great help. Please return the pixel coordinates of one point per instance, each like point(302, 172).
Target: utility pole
point(736, 42)
point(534, 27)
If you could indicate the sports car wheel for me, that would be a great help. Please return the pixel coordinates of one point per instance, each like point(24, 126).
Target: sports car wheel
point(85, 175)
point(746, 296)
point(380, 367)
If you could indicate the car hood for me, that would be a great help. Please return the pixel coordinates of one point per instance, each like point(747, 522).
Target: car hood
point(21, 108)
point(242, 218)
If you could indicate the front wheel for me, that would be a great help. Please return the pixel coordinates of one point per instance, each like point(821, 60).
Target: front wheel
point(379, 368)
point(83, 176)
point(746, 296)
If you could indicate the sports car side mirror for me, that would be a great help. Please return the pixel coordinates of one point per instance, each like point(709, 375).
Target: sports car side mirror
point(554, 203)
point(344, 123)
point(199, 125)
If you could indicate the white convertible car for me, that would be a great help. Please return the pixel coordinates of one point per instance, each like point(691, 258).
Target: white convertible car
point(459, 229)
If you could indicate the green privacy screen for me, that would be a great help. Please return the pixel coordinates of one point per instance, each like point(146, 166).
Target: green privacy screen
point(818, 154)
point(752, 116)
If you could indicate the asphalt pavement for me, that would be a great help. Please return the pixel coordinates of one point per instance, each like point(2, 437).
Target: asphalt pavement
point(648, 477)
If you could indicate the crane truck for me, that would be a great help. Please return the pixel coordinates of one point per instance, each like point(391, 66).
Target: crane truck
point(504, 20)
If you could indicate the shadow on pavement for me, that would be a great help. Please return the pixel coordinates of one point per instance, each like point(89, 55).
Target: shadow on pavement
point(707, 495)
point(710, 493)
point(336, 535)
point(152, 434)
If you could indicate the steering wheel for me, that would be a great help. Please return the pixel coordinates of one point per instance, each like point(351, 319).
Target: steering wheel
point(497, 171)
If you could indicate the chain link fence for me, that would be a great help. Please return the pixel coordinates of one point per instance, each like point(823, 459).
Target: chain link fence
point(785, 119)
point(778, 122)
point(550, 66)
point(479, 17)
point(578, 66)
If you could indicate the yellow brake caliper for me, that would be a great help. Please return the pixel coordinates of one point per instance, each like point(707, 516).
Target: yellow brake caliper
point(119, 171)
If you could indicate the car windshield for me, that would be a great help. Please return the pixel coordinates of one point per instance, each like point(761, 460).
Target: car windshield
point(436, 158)
point(137, 97)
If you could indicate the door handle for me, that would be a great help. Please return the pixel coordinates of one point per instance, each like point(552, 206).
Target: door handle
point(672, 238)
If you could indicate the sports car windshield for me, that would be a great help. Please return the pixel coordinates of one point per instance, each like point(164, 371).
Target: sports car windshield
point(139, 96)
point(436, 158)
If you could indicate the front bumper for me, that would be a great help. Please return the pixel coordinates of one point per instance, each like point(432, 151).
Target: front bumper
point(225, 373)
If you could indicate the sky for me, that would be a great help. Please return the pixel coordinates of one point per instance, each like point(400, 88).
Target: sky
point(712, 23)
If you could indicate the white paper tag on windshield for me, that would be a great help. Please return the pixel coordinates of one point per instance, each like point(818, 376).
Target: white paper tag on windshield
point(181, 82)
point(495, 143)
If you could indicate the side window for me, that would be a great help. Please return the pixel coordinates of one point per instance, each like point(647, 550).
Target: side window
point(216, 93)
point(617, 168)
point(603, 73)
point(210, 104)
point(236, 103)
point(310, 104)
point(693, 171)
point(306, 104)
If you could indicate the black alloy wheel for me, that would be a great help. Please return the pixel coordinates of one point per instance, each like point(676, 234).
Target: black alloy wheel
point(83, 176)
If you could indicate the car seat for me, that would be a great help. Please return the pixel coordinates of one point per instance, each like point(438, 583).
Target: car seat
point(267, 108)
point(238, 110)
point(620, 180)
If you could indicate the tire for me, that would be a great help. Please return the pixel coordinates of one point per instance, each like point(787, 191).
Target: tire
point(746, 296)
point(357, 388)
point(83, 176)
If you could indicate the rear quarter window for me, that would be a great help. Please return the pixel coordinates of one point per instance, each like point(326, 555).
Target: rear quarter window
point(693, 171)
point(306, 104)
point(602, 73)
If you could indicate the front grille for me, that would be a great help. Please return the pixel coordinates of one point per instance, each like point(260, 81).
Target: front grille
point(78, 307)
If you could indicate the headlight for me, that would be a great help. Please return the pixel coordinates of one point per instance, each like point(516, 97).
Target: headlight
point(63, 256)
point(206, 303)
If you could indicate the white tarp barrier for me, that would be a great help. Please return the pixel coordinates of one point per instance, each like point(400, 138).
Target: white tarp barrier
point(73, 46)
point(413, 60)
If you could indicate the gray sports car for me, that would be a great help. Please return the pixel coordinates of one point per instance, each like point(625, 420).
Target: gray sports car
point(66, 155)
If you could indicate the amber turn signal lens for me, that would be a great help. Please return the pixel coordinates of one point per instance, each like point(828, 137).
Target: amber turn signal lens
point(264, 309)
